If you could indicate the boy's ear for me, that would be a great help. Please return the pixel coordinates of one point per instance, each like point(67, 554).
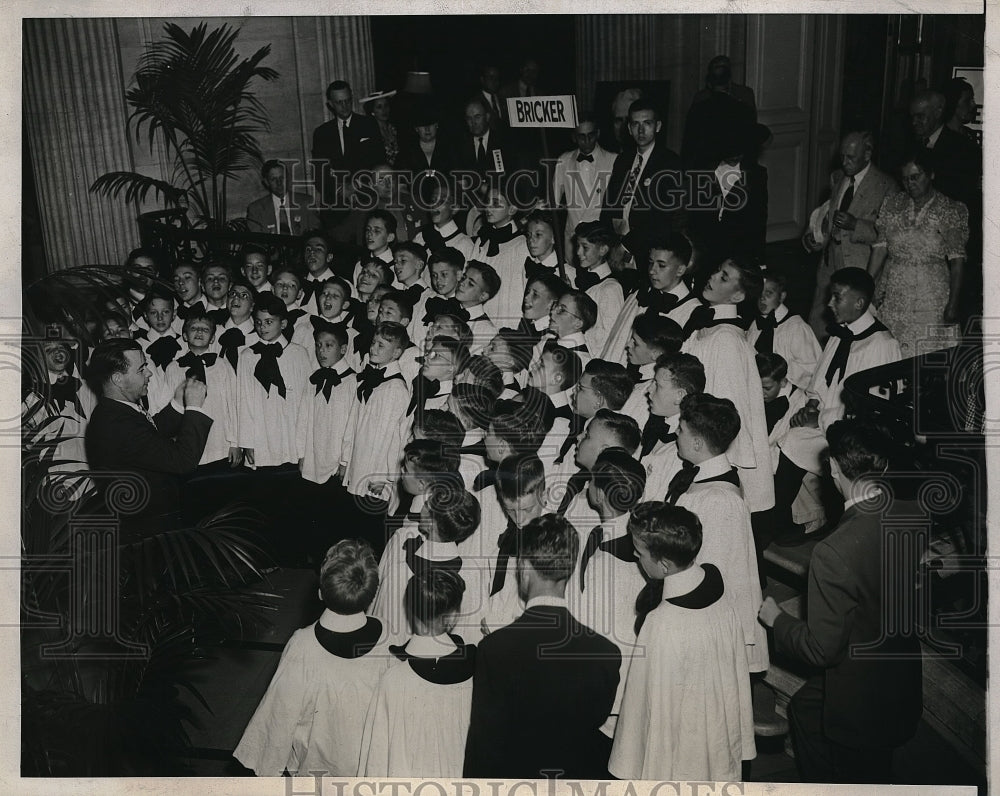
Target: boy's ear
point(284, 321)
point(784, 383)
point(784, 295)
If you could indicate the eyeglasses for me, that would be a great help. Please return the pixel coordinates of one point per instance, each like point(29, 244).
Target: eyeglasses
point(562, 309)
point(240, 294)
point(437, 358)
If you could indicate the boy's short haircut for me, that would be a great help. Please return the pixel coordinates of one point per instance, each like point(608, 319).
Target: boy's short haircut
point(338, 330)
point(518, 425)
point(751, 281)
point(597, 233)
point(475, 402)
point(384, 215)
point(586, 307)
point(239, 280)
point(112, 315)
point(449, 255)
point(550, 545)
point(153, 254)
point(620, 477)
point(318, 233)
point(521, 347)
point(772, 366)
point(462, 327)
point(433, 595)
point(340, 282)
point(659, 332)
point(670, 533)
point(252, 248)
point(677, 243)
point(486, 374)
point(418, 251)
point(567, 363)
point(224, 263)
point(519, 475)
point(491, 279)
point(778, 277)
point(402, 300)
point(713, 419)
point(860, 447)
point(394, 333)
point(270, 303)
point(385, 269)
point(857, 279)
point(431, 457)
point(686, 371)
point(286, 270)
point(440, 425)
point(157, 292)
point(199, 316)
point(540, 217)
point(611, 381)
point(624, 428)
point(454, 511)
point(458, 349)
point(552, 283)
point(183, 264)
point(348, 577)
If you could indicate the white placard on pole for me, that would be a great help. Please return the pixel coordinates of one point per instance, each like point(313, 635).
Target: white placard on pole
point(550, 111)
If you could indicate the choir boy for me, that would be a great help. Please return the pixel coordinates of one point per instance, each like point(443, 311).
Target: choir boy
point(443, 232)
point(257, 268)
point(652, 336)
point(501, 245)
point(569, 319)
point(330, 299)
point(431, 388)
point(160, 343)
point(478, 285)
point(238, 330)
point(540, 296)
point(287, 284)
point(478, 370)
point(776, 331)
point(687, 712)
point(187, 286)
point(215, 281)
point(379, 235)
point(408, 263)
point(540, 234)
point(395, 307)
point(318, 258)
point(510, 351)
point(312, 716)
point(593, 243)
point(445, 266)
point(555, 377)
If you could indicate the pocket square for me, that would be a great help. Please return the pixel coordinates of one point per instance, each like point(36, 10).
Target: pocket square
point(362, 140)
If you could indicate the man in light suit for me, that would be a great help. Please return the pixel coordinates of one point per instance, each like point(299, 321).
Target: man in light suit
point(856, 193)
point(861, 627)
point(280, 213)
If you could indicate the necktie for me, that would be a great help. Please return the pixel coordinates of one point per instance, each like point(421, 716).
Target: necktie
point(283, 225)
point(496, 108)
point(230, 342)
point(370, 378)
point(267, 371)
point(845, 200)
point(480, 153)
point(633, 179)
point(774, 411)
point(162, 351)
point(326, 379)
point(507, 547)
point(655, 301)
point(438, 305)
point(764, 344)
point(576, 484)
point(657, 429)
point(184, 311)
point(343, 142)
point(681, 482)
point(593, 542)
point(196, 364)
point(147, 415)
point(423, 388)
point(581, 158)
point(586, 279)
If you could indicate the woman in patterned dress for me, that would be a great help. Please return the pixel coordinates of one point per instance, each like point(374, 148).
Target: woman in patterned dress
point(918, 261)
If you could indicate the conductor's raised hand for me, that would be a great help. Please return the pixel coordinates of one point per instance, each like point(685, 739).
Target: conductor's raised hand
point(194, 392)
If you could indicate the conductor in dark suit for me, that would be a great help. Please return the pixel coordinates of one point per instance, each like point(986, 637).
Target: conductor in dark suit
point(122, 436)
point(646, 190)
point(544, 684)
point(346, 144)
point(280, 212)
point(860, 630)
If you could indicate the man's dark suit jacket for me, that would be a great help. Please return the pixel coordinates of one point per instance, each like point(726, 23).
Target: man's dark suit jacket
point(260, 215)
point(742, 228)
point(658, 202)
point(465, 156)
point(119, 438)
point(363, 145)
point(958, 168)
point(871, 700)
point(543, 687)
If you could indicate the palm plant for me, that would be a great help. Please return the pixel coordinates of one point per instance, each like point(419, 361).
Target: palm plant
point(194, 92)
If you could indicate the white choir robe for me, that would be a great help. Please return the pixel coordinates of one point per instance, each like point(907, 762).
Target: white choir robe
point(416, 728)
point(482, 327)
point(471, 464)
point(506, 605)
point(249, 334)
point(687, 712)
point(408, 364)
point(385, 256)
point(548, 451)
point(304, 336)
point(505, 306)
point(322, 425)
point(418, 328)
point(610, 298)
point(393, 575)
point(606, 603)
point(157, 393)
point(807, 508)
point(265, 421)
point(453, 237)
point(731, 372)
point(580, 513)
point(662, 463)
point(621, 328)
point(576, 342)
point(551, 262)
point(220, 405)
point(557, 479)
point(312, 716)
point(796, 342)
point(479, 551)
point(636, 405)
point(727, 542)
point(372, 443)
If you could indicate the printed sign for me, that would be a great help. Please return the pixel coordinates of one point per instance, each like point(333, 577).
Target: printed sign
point(552, 111)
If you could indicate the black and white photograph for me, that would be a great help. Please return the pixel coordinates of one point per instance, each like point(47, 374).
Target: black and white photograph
point(582, 400)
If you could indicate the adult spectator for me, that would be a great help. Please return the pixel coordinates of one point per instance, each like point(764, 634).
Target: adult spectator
point(719, 79)
point(720, 105)
point(378, 106)
point(960, 107)
point(489, 90)
point(280, 212)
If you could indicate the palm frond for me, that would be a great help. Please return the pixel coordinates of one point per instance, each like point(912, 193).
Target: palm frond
point(136, 187)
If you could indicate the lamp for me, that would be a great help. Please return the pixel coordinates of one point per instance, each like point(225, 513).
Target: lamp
point(417, 83)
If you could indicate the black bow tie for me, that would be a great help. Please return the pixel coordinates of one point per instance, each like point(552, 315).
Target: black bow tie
point(681, 482)
point(576, 424)
point(701, 317)
point(290, 319)
point(620, 547)
point(423, 388)
point(267, 371)
point(847, 337)
point(576, 484)
point(657, 429)
point(310, 287)
point(321, 324)
point(438, 305)
point(230, 343)
point(370, 378)
point(422, 566)
point(586, 279)
point(196, 364)
point(66, 390)
point(484, 479)
point(774, 411)
point(163, 351)
point(433, 239)
point(534, 269)
point(507, 546)
point(633, 373)
point(413, 293)
point(527, 328)
point(494, 237)
point(219, 316)
point(185, 311)
point(582, 158)
point(140, 334)
point(326, 379)
point(764, 344)
point(656, 301)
